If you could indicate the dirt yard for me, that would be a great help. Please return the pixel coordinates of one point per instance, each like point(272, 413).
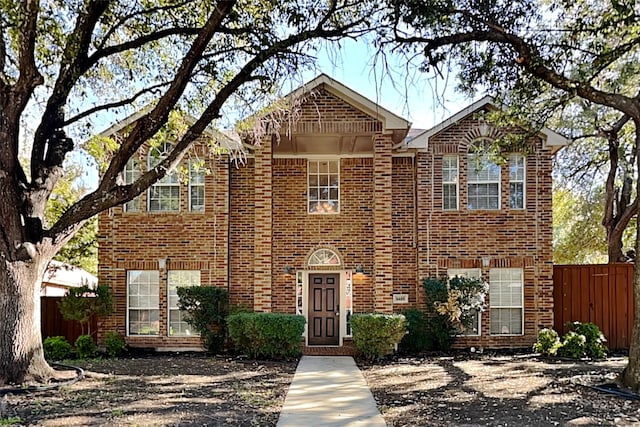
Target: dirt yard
point(487, 390)
point(459, 390)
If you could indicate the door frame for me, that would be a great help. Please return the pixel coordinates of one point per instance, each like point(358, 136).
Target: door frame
point(305, 303)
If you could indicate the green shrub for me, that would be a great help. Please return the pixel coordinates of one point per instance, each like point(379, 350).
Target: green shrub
point(548, 342)
point(417, 337)
point(56, 348)
point(594, 346)
point(573, 345)
point(441, 333)
point(376, 335)
point(85, 347)
point(266, 335)
point(114, 344)
point(206, 308)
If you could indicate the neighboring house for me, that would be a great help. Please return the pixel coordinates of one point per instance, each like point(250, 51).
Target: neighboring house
point(340, 213)
point(59, 277)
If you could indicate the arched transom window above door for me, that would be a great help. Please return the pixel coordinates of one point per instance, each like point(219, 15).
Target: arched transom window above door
point(324, 257)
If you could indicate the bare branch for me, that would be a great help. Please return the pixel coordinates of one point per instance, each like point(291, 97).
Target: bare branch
point(115, 104)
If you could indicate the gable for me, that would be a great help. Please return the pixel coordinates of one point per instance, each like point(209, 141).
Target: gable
point(551, 139)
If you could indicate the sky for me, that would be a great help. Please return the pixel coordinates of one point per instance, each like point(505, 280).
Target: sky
point(416, 96)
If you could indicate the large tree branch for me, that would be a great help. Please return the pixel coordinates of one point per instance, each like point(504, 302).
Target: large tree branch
point(30, 77)
point(148, 125)
point(531, 61)
point(108, 196)
point(73, 64)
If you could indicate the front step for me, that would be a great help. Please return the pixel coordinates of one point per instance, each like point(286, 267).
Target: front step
point(346, 349)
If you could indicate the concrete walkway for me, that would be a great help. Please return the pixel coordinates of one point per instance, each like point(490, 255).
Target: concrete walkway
point(329, 391)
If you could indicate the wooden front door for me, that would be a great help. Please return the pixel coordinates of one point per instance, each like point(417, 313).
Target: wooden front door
point(324, 309)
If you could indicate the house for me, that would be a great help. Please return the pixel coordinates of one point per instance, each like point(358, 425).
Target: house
point(59, 277)
point(338, 213)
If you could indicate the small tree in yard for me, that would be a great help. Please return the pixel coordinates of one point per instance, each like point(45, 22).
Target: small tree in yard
point(456, 300)
point(206, 308)
point(84, 303)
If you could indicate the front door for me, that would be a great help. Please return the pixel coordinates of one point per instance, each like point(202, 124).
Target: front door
point(324, 309)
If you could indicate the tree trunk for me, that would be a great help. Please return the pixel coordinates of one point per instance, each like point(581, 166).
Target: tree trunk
point(631, 374)
point(614, 247)
point(20, 319)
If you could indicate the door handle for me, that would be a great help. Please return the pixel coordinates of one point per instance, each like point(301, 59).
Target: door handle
point(338, 312)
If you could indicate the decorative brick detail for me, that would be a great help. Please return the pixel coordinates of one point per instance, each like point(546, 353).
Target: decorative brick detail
point(383, 226)
point(263, 226)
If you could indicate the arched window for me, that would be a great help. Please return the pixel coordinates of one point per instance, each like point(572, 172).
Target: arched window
point(324, 257)
point(483, 180)
point(164, 195)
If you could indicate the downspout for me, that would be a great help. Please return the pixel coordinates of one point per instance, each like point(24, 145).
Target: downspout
point(229, 226)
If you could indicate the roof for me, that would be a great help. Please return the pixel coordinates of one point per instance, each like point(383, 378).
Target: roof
point(67, 275)
point(227, 140)
point(552, 139)
point(389, 120)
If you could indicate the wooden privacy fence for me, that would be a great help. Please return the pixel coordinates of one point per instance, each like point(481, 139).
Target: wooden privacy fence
point(53, 324)
point(600, 294)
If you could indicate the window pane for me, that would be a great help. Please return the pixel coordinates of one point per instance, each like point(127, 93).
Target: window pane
point(505, 296)
point(176, 279)
point(143, 299)
point(324, 186)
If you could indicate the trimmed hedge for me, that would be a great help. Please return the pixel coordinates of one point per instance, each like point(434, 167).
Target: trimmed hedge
point(266, 335)
point(376, 335)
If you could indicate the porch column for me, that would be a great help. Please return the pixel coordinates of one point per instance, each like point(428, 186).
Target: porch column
point(263, 226)
point(383, 226)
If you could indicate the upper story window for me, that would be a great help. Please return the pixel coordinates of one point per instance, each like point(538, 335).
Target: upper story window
point(450, 182)
point(196, 187)
point(323, 186)
point(131, 173)
point(517, 174)
point(483, 181)
point(164, 195)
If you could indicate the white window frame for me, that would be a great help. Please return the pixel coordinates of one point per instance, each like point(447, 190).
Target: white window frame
point(130, 174)
point(188, 278)
point(474, 177)
point(450, 167)
point(518, 175)
point(475, 273)
point(317, 206)
point(170, 181)
point(200, 185)
point(499, 277)
point(150, 306)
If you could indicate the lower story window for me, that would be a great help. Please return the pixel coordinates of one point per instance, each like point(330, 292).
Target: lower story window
point(506, 301)
point(143, 302)
point(176, 279)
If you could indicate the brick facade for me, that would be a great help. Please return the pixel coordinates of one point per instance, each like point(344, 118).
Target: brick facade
point(391, 222)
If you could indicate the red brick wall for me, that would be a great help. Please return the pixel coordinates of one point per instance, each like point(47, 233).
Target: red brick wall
point(507, 237)
point(189, 241)
point(296, 233)
point(404, 224)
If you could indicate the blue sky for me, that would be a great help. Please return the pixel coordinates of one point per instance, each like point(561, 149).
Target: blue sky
point(416, 96)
